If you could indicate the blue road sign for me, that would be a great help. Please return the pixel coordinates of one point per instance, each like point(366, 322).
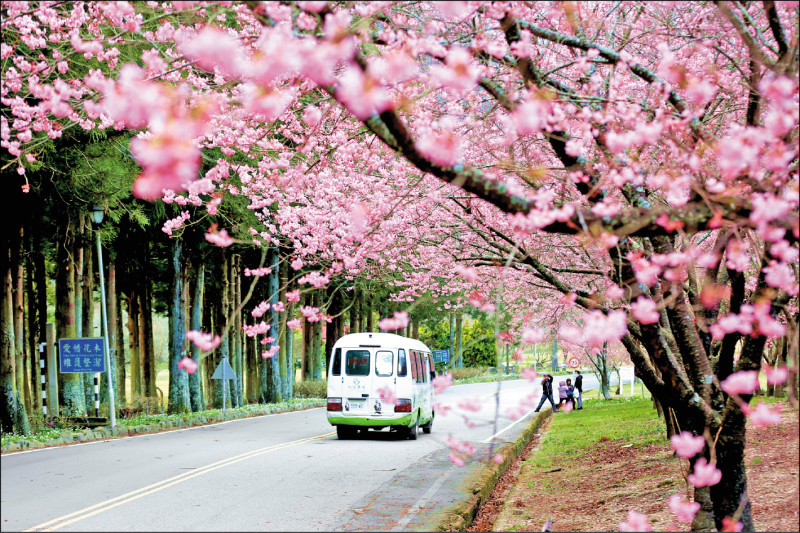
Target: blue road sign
point(441, 356)
point(81, 355)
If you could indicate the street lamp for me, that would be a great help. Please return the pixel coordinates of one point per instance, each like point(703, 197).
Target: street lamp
point(97, 218)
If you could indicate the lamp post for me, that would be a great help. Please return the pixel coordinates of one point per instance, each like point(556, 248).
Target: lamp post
point(97, 218)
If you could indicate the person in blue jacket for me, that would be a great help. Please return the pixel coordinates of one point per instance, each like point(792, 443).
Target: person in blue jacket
point(547, 392)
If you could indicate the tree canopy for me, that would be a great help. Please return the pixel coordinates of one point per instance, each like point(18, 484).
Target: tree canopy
point(614, 171)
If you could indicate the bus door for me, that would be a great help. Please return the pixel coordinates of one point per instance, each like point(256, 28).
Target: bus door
point(357, 381)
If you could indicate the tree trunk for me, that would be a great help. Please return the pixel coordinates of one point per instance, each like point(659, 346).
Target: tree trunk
point(119, 343)
point(149, 369)
point(317, 357)
point(306, 363)
point(283, 338)
point(225, 318)
point(195, 380)
point(236, 331)
point(87, 306)
point(271, 377)
point(133, 344)
point(178, 398)
point(22, 369)
point(72, 395)
point(459, 353)
point(112, 312)
point(8, 393)
point(369, 313)
point(32, 345)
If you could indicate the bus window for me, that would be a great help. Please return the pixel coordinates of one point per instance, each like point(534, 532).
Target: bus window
point(336, 366)
point(402, 365)
point(432, 367)
point(414, 370)
point(357, 363)
point(383, 363)
point(420, 370)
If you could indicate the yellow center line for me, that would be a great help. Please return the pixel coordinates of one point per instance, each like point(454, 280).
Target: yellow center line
point(155, 487)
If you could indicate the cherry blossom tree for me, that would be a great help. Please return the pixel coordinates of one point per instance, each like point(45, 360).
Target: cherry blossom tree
point(634, 163)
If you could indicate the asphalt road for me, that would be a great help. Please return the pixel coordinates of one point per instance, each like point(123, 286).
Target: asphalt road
point(283, 472)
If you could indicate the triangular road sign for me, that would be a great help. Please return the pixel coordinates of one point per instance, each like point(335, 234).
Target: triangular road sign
point(224, 370)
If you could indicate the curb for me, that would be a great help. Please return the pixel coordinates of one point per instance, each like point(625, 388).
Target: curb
point(71, 436)
point(462, 514)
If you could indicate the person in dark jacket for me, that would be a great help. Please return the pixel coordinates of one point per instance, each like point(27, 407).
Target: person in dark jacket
point(547, 392)
point(579, 389)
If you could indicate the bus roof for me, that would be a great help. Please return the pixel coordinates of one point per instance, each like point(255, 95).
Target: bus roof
point(383, 340)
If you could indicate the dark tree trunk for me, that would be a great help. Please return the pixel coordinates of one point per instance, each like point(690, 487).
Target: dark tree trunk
point(178, 397)
point(317, 357)
point(113, 331)
point(72, 395)
point(20, 347)
point(8, 393)
point(148, 352)
point(196, 380)
point(122, 398)
point(133, 345)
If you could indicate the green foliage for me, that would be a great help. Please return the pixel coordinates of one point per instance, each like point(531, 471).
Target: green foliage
point(479, 344)
point(478, 339)
point(311, 389)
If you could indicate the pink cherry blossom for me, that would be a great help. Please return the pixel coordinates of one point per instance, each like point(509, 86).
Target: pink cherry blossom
point(188, 364)
point(498, 458)
point(776, 375)
point(763, 416)
point(456, 459)
point(742, 382)
point(470, 404)
point(636, 522)
point(705, 474)
point(731, 526)
point(644, 309)
point(398, 321)
point(533, 335)
point(293, 324)
point(442, 381)
point(220, 238)
point(529, 374)
point(468, 273)
point(269, 354)
point(687, 445)
point(293, 296)
point(204, 341)
point(684, 511)
point(387, 395)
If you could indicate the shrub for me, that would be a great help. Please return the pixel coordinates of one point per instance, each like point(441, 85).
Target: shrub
point(311, 389)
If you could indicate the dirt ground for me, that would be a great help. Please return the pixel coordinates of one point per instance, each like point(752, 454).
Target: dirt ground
point(600, 487)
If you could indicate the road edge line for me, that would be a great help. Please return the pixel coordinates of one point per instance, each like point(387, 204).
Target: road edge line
point(462, 514)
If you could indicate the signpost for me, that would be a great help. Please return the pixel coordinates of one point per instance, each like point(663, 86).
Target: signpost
point(441, 356)
point(224, 371)
point(573, 362)
point(86, 355)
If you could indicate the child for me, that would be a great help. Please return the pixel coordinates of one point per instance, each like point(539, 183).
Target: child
point(570, 392)
point(562, 393)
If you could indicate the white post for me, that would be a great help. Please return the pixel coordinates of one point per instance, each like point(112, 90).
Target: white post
point(111, 402)
point(633, 379)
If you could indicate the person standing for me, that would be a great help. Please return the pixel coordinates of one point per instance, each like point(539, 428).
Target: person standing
point(570, 393)
point(579, 389)
point(547, 393)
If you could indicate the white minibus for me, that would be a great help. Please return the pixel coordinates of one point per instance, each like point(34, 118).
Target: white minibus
point(362, 364)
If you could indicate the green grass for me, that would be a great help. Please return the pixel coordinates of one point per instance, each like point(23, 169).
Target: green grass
point(631, 420)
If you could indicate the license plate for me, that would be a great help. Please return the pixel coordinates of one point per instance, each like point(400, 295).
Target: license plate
point(355, 405)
